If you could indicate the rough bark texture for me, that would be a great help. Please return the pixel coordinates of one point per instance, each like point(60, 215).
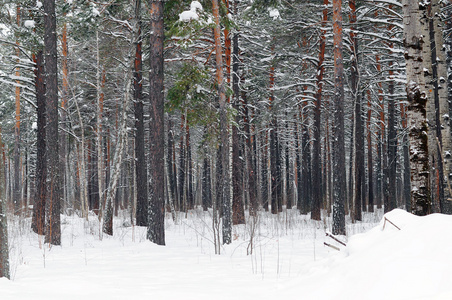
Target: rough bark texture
point(250, 159)
point(17, 186)
point(338, 129)
point(171, 166)
point(316, 151)
point(4, 249)
point(53, 202)
point(306, 188)
point(156, 232)
point(224, 129)
point(140, 163)
point(359, 128)
point(417, 99)
point(238, 211)
point(38, 220)
point(443, 130)
point(370, 167)
point(445, 87)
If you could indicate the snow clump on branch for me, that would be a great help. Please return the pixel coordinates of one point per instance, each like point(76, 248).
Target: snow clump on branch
point(191, 14)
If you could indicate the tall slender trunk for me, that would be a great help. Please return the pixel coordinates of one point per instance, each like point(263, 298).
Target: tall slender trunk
point(64, 145)
point(359, 128)
point(316, 151)
point(17, 195)
point(206, 185)
point(339, 186)
point(370, 166)
point(382, 146)
point(182, 167)
point(140, 162)
point(53, 201)
point(306, 186)
point(250, 158)
point(4, 249)
point(238, 211)
point(224, 129)
point(172, 176)
point(38, 220)
point(156, 232)
point(264, 169)
point(189, 169)
point(406, 160)
point(392, 146)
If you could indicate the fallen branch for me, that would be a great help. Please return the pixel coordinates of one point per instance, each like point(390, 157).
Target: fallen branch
point(331, 246)
point(384, 224)
point(335, 238)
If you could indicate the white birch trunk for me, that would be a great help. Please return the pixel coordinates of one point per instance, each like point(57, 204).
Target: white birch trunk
point(417, 118)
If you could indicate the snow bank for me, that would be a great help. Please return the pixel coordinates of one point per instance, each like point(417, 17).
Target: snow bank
point(289, 260)
point(387, 263)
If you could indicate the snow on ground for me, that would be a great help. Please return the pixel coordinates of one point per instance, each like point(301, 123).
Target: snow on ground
point(289, 260)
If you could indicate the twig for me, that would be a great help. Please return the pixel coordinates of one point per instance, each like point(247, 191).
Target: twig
point(335, 238)
point(386, 219)
point(331, 246)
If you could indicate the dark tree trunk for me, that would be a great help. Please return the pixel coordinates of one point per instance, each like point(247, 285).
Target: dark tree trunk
point(370, 169)
point(289, 173)
point(140, 162)
point(392, 150)
point(298, 160)
point(339, 186)
point(274, 166)
point(359, 128)
point(53, 225)
point(156, 231)
point(206, 185)
point(4, 249)
point(172, 176)
point(264, 170)
point(224, 130)
point(316, 154)
point(250, 159)
point(38, 220)
point(189, 168)
point(238, 211)
point(306, 169)
point(182, 167)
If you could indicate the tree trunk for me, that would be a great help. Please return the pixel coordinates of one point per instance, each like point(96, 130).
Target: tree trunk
point(140, 162)
point(38, 220)
point(171, 166)
point(238, 211)
point(417, 118)
point(4, 249)
point(316, 150)
point(17, 195)
point(224, 129)
point(156, 231)
point(370, 166)
point(339, 186)
point(446, 107)
point(53, 202)
point(359, 128)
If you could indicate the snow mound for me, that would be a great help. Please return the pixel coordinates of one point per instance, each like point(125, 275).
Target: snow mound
point(387, 263)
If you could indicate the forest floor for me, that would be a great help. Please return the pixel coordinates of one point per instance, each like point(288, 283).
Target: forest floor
point(288, 261)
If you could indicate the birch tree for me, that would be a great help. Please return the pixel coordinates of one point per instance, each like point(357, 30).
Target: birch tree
point(417, 108)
